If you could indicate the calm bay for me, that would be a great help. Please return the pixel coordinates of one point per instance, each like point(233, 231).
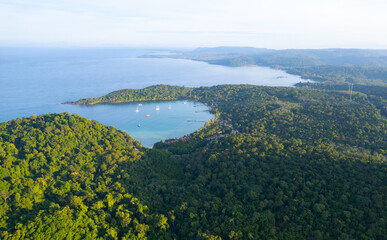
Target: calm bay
point(37, 81)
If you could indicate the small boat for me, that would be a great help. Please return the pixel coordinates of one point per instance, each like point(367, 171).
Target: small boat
point(140, 104)
point(137, 110)
point(147, 115)
point(169, 107)
point(157, 108)
point(185, 103)
point(138, 125)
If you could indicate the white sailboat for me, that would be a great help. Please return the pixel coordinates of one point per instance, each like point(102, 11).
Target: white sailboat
point(157, 108)
point(169, 107)
point(137, 110)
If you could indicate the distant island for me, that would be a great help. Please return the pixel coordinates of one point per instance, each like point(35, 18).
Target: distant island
point(328, 66)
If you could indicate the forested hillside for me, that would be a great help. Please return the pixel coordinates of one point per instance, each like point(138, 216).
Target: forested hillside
point(299, 164)
point(61, 177)
point(275, 163)
point(152, 93)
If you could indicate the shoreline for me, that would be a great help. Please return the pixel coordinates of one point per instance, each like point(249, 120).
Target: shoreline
point(214, 62)
point(113, 103)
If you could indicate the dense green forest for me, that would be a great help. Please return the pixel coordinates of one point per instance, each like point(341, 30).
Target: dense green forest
point(152, 93)
point(297, 165)
point(61, 178)
point(275, 163)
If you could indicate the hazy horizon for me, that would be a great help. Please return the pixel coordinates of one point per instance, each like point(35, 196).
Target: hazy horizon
point(96, 47)
point(278, 24)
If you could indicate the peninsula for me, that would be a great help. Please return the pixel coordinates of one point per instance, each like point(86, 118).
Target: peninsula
point(291, 163)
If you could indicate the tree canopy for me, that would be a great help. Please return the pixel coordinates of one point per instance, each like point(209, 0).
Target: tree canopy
point(275, 163)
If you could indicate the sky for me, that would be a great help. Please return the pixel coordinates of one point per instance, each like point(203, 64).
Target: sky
point(276, 24)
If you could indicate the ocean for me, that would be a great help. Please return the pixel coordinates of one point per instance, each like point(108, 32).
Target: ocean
point(38, 80)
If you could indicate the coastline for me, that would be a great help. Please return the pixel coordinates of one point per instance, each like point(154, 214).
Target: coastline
point(222, 62)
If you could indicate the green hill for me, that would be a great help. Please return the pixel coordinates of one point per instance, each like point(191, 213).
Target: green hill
point(276, 163)
point(60, 177)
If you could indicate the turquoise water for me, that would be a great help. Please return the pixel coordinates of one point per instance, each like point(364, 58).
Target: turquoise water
point(37, 81)
point(173, 119)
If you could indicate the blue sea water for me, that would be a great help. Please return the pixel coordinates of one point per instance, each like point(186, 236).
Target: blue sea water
point(38, 80)
point(173, 119)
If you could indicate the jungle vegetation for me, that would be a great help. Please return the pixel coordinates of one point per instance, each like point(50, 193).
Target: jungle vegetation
point(275, 163)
